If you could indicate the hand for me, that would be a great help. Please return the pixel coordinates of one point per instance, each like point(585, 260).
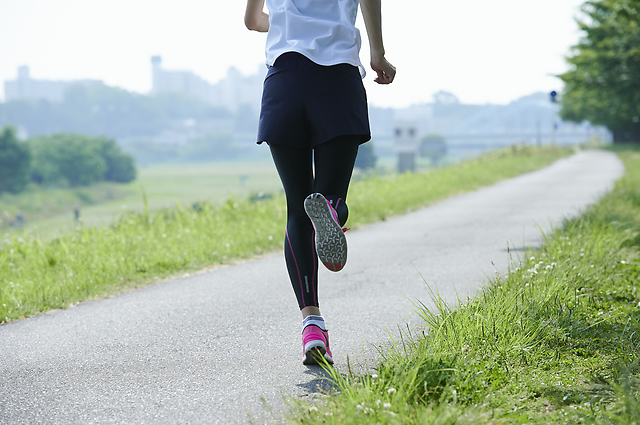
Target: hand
point(386, 72)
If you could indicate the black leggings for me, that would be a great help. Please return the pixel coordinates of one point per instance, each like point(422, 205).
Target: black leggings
point(334, 161)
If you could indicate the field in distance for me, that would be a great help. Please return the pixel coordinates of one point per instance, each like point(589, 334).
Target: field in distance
point(164, 185)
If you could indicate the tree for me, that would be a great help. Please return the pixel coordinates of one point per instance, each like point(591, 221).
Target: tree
point(433, 146)
point(211, 147)
point(121, 167)
point(603, 84)
point(97, 110)
point(366, 157)
point(79, 160)
point(15, 162)
point(445, 98)
point(70, 158)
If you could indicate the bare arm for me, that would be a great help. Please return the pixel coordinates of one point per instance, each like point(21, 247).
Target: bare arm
point(254, 18)
point(372, 14)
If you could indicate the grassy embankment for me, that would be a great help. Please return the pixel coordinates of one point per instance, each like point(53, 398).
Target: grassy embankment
point(37, 276)
point(556, 340)
point(49, 211)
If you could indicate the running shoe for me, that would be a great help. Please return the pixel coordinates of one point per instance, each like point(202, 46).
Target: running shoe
point(315, 344)
point(331, 244)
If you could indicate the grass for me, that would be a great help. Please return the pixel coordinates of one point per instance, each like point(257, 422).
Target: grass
point(556, 340)
point(37, 203)
point(38, 275)
point(49, 211)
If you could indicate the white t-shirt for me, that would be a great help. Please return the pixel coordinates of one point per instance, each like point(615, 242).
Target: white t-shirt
point(322, 30)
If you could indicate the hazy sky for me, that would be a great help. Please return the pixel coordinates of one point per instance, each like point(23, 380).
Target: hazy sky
point(490, 51)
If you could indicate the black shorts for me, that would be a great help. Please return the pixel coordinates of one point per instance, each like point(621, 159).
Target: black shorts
point(305, 104)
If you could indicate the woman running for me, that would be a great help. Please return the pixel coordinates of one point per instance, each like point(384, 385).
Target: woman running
point(314, 112)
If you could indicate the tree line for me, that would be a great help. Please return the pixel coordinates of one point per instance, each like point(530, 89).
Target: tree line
point(98, 110)
point(603, 84)
point(61, 159)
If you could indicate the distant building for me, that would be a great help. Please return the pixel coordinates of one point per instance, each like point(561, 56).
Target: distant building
point(406, 143)
point(232, 92)
point(26, 87)
point(165, 81)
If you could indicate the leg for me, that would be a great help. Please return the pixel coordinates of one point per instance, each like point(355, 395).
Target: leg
point(296, 174)
point(327, 210)
point(334, 161)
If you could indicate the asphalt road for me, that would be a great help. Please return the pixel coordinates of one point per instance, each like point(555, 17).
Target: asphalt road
point(225, 346)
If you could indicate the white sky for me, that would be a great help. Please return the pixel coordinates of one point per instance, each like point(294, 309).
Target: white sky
point(490, 51)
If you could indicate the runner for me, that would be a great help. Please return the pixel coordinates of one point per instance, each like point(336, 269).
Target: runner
point(314, 112)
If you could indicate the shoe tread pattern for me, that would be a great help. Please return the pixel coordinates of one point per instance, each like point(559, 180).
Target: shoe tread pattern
point(331, 243)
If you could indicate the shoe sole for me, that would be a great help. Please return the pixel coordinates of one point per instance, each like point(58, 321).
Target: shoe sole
point(331, 244)
point(313, 352)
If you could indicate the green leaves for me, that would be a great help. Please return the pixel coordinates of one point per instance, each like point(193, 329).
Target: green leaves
point(603, 85)
point(79, 160)
point(15, 161)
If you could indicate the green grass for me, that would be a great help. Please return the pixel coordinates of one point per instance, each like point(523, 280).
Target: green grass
point(49, 211)
point(37, 203)
point(38, 275)
point(556, 340)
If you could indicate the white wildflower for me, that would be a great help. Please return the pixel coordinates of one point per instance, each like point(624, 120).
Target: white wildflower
point(391, 391)
point(387, 405)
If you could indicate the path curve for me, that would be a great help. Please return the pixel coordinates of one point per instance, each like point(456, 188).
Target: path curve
point(219, 347)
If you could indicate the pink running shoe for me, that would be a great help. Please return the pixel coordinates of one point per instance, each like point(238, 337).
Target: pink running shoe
point(331, 244)
point(315, 343)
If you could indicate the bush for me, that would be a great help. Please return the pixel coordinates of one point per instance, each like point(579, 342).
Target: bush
point(434, 147)
point(78, 160)
point(120, 167)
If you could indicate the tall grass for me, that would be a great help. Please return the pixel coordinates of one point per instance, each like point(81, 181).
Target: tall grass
point(37, 276)
point(556, 340)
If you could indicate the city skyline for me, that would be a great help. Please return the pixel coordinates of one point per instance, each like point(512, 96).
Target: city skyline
point(492, 52)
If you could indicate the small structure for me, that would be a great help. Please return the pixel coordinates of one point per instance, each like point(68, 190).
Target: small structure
point(406, 144)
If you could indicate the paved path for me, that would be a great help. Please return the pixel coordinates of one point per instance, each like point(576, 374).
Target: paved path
point(208, 348)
